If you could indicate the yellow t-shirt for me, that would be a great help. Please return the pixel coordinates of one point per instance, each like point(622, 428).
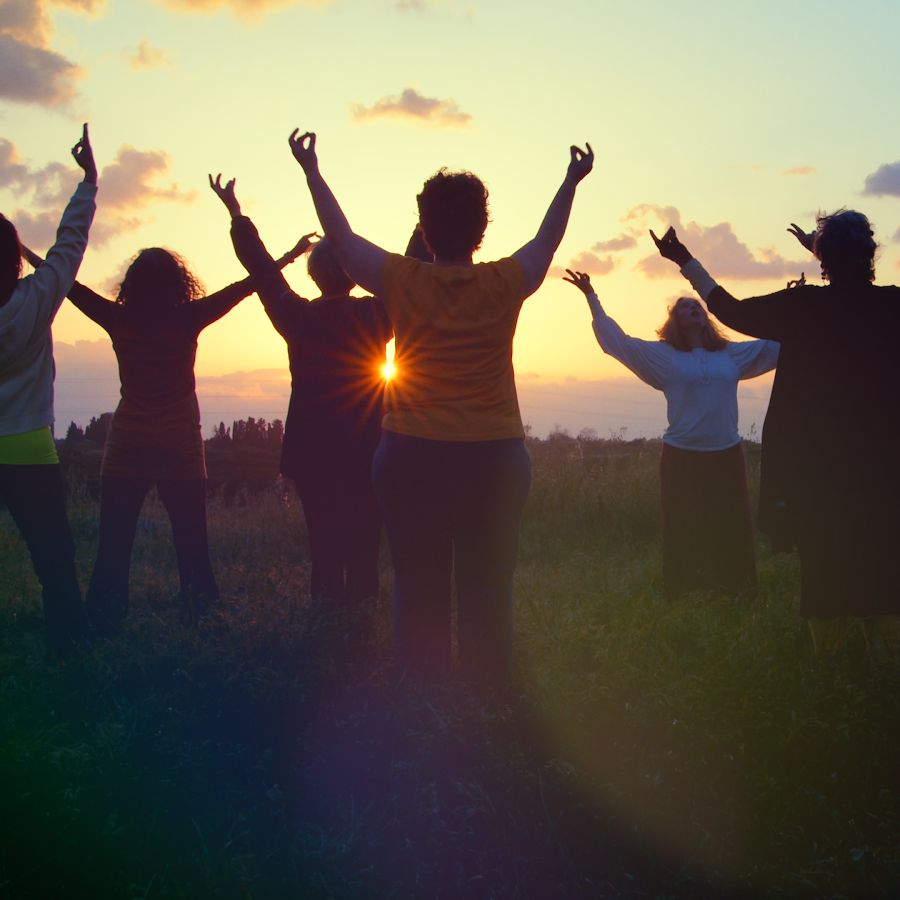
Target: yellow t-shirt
point(453, 376)
point(31, 448)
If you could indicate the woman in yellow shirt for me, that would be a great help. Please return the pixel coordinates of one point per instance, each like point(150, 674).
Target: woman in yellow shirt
point(451, 472)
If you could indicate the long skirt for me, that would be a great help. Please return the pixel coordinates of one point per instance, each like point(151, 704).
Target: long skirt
point(707, 523)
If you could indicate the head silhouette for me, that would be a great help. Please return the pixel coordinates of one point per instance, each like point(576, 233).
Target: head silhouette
point(453, 213)
point(158, 280)
point(673, 330)
point(10, 259)
point(326, 271)
point(845, 246)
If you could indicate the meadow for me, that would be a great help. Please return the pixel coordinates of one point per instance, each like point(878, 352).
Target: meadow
point(645, 748)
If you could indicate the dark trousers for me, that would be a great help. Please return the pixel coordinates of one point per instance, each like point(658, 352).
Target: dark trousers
point(343, 521)
point(36, 499)
point(121, 500)
point(452, 508)
point(707, 523)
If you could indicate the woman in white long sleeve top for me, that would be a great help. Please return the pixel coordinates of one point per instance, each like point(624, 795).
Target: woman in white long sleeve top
point(707, 525)
point(30, 478)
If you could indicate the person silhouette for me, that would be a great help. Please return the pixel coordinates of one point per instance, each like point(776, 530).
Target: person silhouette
point(451, 471)
point(31, 482)
point(336, 349)
point(155, 433)
point(834, 387)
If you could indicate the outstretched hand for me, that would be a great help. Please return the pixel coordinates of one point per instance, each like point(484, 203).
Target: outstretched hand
point(581, 162)
point(804, 238)
point(581, 280)
point(226, 194)
point(302, 246)
point(671, 248)
point(84, 156)
point(304, 150)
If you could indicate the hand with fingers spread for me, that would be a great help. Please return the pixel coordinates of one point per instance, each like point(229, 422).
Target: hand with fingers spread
point(671, 248)
point(581, 163)
point(805, 239)
point(304, 150)
point(226, 194)
point(581, 280)
point(84, 156)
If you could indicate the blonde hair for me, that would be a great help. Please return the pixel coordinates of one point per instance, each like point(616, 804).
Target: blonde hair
point(670, 331)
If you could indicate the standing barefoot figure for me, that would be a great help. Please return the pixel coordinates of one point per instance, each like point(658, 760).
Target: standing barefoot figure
point(30, 478)
point(834, 408)
point(451, 472)
point(155, 433)
point(707, 525)
point(336, 350)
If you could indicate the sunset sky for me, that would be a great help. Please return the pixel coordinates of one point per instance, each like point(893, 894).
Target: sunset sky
point(729, 121)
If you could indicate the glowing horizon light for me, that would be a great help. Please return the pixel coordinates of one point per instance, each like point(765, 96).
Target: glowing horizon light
point(389, 360)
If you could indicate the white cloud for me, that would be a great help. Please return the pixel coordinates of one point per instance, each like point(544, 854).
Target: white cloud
point(885, 181)
point(799, 171)
point(129, 184)
point(30, 71)
point(413, 106)
point(716, 246)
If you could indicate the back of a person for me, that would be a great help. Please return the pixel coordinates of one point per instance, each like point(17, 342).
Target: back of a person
point(453, 363)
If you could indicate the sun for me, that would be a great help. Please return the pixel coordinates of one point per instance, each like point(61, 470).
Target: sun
point(389, 360)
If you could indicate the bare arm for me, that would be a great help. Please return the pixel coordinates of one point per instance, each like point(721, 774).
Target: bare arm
point(535, 257)
point(361, 259)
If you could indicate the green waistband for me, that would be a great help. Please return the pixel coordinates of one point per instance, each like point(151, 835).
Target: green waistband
point(31, 448)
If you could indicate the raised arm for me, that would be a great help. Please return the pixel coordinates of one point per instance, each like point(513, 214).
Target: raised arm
point(361, 259)
point(535, 257)
point(277, 297)
point(53, 276)
point(758, 317)
point(649, 360)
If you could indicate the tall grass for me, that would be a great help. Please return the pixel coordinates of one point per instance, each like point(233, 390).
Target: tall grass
point(646, 748)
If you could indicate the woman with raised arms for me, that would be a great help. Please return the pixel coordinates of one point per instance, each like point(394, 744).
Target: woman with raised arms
point(707, 524)
point(31, 481)
point(336, 347)
point(154, 323)
point(451, 472)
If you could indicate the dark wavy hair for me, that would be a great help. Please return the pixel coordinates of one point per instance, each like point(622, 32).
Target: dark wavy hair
point(325, 270)
point(157, 280)
point(453, 213)
point(670, 331)
point(10, 259)
point(845, 246)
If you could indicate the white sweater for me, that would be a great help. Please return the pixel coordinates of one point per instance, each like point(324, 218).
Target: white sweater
point(26, 345)
point(700, 386)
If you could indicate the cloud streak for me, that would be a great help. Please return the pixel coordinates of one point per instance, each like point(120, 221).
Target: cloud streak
point(130, 183)
point(415, 107)
point(146, 56)
point(247, 11)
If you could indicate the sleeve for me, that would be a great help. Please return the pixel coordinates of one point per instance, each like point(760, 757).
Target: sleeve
point(95, 307)
point(207, 310)
point(759, 317)
point(279, 301)
point(754, 357)
point(649, 360)
point(56, 274)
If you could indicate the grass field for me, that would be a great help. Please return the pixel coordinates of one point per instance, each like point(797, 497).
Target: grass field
point(646, 748)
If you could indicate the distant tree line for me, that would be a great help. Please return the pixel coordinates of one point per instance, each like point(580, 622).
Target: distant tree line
point(243, 433)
